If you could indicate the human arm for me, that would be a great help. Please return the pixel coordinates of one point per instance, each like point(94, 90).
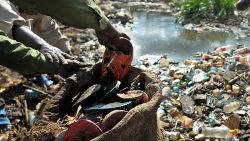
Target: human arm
point(20, 58)
point(15, 27)
point(17, 56)
point(26, 36)
point(79, 14)
point(48, 29)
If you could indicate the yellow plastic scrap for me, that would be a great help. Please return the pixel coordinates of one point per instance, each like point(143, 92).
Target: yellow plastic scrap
point(233, 132)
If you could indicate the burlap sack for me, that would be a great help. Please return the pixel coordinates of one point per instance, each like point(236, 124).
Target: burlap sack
point(141, 123)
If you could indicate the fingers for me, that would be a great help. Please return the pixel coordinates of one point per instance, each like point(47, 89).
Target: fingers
point(59, 78)
point(55, 58)
point(59, 55)
point(111, 47)
point(48, 57)
point(125, 36)
point(67, 56)
point(61, 58)
point(74, 64)
point(123, 45)
point(242, 4)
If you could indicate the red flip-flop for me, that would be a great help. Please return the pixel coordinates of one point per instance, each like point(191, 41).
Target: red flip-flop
point(117, 63)
point(82, 130)
point(111, 119)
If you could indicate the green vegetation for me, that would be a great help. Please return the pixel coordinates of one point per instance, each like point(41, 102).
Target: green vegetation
point(199, 10)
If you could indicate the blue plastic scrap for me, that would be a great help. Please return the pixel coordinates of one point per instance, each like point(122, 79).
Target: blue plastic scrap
point(3, 119)
point(43, 80)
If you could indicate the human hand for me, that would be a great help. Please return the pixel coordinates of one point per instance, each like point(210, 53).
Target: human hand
point(243, 4)
point(69, 67)
point(114, 40)
point(54, 55)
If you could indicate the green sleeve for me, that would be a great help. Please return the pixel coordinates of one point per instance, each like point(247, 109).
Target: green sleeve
point(20, 58)
point(75, 13)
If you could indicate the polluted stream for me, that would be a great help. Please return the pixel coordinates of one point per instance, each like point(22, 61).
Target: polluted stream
point(155, 34)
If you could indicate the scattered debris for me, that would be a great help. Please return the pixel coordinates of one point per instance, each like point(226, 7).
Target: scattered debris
point(213, 90)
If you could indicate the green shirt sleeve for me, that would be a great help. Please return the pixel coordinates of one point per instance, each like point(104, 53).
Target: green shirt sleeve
point(75, 13)
point(20, 58)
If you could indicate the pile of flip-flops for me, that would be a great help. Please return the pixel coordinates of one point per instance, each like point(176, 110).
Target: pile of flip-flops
point(112, 102)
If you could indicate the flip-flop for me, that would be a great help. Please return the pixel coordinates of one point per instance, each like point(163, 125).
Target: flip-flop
point(111, 119)
point(100, 108)
point(131, 95)
point(110, 90)
point(82, 130)
point(117, 63)
point(88, 96)
point(60, 136)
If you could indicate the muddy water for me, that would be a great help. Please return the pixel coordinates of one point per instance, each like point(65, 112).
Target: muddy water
point(157, 34)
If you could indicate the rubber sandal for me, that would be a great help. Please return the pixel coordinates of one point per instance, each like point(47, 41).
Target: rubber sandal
point(117, 63)
point(82, 130)
point(100, 108)
point(111, 119)
point(88, 96)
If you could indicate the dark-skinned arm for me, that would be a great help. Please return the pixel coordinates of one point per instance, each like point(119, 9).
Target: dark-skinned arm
point(24, 35)
point(17, 56)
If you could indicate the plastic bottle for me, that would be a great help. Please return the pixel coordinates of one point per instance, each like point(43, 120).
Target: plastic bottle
point(216, 132)
point(231, 107)
point(187, 105)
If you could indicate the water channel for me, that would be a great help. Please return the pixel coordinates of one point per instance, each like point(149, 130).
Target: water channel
point(156, 34)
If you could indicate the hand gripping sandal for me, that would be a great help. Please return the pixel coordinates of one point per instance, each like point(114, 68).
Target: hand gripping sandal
point(116, 64)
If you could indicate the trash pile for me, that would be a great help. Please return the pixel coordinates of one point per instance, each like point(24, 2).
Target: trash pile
point(206, 97)
point(21, 101)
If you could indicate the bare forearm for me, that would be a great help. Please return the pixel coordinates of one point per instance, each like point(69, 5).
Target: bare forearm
point(23, 59)
point(24, 35)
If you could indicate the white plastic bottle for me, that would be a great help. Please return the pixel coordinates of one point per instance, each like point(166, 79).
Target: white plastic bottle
point(216, 132)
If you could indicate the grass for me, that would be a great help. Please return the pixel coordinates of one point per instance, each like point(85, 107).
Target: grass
point(197, 10)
